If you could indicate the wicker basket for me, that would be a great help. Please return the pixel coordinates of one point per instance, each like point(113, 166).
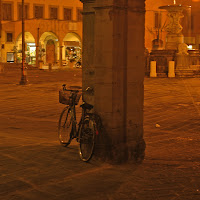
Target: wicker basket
point(65, 97)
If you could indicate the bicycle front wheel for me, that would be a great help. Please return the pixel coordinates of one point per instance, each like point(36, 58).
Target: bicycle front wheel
point(65, 127)
point(87, 140)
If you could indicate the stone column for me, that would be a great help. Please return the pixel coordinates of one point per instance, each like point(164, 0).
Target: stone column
point(88, 69)
point(116, 71)
point(37, 47)
point(60, 57)
point(63, 52)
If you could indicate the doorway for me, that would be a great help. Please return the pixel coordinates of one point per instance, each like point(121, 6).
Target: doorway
point(50, 51)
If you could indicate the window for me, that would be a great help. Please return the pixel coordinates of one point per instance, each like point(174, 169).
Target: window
point(38, 11)
point(20, 11)
point(53, 13)
point(7, 11)
point(67, 14)
point(157, 20)
point(10, 57)
point(79, 14)
point(9, 37)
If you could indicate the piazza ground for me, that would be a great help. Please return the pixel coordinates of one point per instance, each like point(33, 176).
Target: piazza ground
point(33, 165)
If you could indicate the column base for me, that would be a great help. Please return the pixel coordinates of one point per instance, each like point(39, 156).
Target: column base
point(23, 80)
point(127, 152)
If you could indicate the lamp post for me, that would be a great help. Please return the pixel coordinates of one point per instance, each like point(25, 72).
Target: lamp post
point(37, 48)
point(23, 80)
point(0, 17)
point(0, 26)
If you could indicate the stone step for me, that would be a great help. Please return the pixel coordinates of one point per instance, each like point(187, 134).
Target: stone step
point(188, 73)
point(15, 66)
point(161, 75)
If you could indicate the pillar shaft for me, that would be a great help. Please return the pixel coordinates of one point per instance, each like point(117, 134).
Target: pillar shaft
point(88, 71)
point(60, 57)
point(118, 71)
point(37, 47)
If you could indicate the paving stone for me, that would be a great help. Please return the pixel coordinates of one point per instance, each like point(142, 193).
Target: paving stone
point(34, 166)
point(13, 186)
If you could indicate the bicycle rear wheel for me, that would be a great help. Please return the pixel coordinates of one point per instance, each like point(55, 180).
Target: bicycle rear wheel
point(65, 127)
point(87, 140)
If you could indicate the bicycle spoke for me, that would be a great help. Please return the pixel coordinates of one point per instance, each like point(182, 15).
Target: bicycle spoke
point(65, 127)
point(87, 139)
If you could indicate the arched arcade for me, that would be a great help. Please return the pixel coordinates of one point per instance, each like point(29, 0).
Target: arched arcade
point(49, 48)
point(72, 47)
point(30, 48)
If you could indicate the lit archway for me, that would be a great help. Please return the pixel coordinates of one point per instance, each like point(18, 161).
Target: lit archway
point(49, 48)
point(30, 48)
point(72, 47)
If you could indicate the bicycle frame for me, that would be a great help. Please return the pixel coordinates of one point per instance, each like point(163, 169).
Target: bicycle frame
point(76, 131)
point(72, 106)
point(73, 117)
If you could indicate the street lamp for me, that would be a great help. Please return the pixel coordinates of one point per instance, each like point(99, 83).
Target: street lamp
point(23, 80)
point(0, 26)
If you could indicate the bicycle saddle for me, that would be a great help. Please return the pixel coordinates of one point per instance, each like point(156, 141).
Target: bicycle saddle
point(86, 106)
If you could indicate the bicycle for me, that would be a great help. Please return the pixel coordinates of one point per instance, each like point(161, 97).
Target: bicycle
point(86, 131)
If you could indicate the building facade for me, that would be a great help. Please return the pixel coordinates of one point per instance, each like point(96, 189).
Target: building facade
point(53, 30)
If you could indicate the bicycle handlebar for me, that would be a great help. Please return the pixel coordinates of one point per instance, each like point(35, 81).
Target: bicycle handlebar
point(72, 90)
point(88, 90)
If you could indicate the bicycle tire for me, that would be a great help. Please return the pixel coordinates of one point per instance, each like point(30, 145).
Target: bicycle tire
point(87, 139)
point(65, 127)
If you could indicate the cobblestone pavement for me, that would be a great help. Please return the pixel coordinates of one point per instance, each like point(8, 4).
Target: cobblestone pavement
point(33, 166)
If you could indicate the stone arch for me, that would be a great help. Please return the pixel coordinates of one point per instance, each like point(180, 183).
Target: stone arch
point(49, 47)
point(72, 36)
point(30, 47)
point(72, 44)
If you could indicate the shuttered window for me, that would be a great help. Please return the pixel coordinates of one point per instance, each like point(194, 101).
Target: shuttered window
point(39, 12)
point(79, 14)
point(9, 37)
point(67, 14)
point(7, 11)
point(53, 13)
point(20, 11)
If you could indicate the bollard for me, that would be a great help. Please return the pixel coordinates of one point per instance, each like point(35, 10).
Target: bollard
point(50, 66)
point(153, 69)
point(40, 64)
point(171, 73)
point(1, 67)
